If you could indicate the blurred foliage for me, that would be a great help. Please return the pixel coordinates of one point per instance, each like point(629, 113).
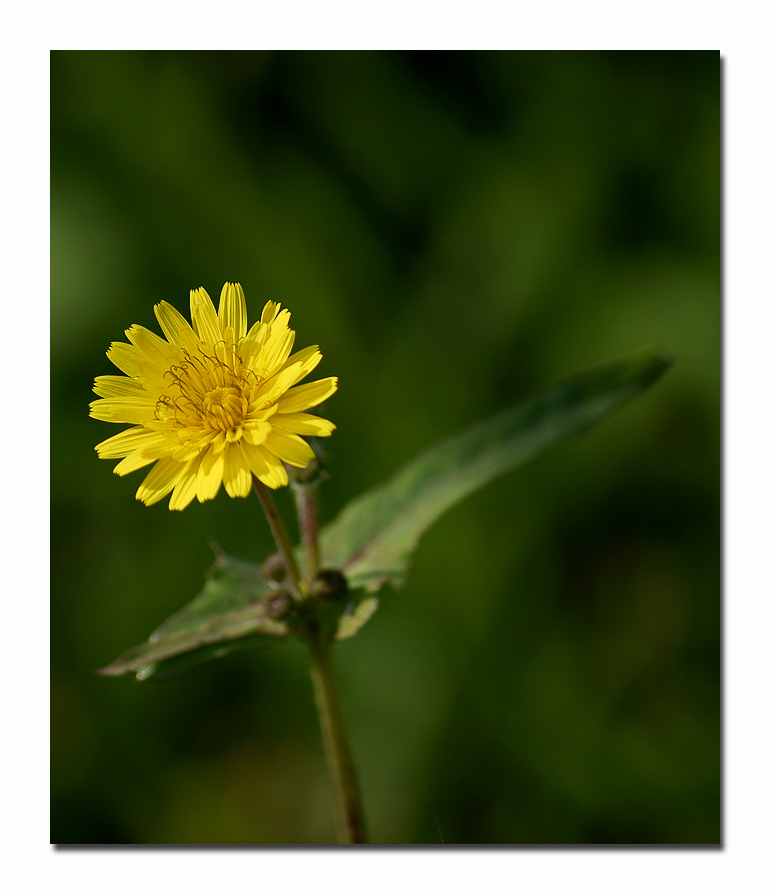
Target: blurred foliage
point(457, 230)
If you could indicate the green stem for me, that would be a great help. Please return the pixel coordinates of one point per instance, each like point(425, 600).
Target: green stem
point(281, 537)
point(307, 510)
point(347, 801)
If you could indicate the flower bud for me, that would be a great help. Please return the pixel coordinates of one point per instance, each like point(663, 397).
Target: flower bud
point(273, 568)
point(278, 605)
point(308, 475)
point(315, 471)
point(330, 585)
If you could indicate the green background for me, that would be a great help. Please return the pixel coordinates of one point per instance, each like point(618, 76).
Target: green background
point(458, 231)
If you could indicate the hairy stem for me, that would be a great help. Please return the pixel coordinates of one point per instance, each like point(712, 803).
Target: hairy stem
point(307, 510)
point(347, 801)
point(281, 537)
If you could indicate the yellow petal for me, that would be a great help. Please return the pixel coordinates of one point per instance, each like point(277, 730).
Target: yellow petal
point(281, 321)
point(267, 467)
point(184, 489)
point(276, 385)
point(204, 317)
point(209, 475)
point(136, 460)
point(256, 332)
point(118, 386)
point(159, 448)
point(127, 358)
point(303, 424)
point(125, 442)
point(308, 357)
point(176, 329)
point(309, 395)
point(221, 440)
point(304, 361)
point(236, 474)
point(269, 311)
point(185, 452)
point(158, 356)
point(151, 345)
point(288, 447)
point(161, 480)
point(256, 432)
point(123, 409)
point(275, 352)
point(232, 310)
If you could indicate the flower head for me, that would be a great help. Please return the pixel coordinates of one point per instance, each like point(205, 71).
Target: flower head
point(215, 404)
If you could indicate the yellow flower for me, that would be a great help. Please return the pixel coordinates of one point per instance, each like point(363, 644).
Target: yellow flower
point(214, 404)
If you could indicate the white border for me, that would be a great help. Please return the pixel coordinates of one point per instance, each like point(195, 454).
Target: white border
point(738, 31)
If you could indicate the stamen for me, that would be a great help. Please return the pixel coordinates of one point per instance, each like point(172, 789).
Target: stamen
point(214, 391)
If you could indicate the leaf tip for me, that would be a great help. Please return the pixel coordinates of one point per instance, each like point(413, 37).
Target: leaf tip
point(109, 671)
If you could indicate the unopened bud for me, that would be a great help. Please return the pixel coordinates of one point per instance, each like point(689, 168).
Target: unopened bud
point(278, 604)
point(330, 585)
point(273, 568)
point(308, 475)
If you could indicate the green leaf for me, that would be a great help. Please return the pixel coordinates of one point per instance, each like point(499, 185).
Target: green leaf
point(228, 614)
point(169, 667)
point(351, 622)
point(373, 538)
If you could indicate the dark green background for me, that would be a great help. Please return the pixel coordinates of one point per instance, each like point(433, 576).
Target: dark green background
point(457, 231)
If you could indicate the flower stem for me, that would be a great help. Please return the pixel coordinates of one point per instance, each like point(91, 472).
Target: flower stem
point(307, 510)
point(347, 801)
point(281, 537)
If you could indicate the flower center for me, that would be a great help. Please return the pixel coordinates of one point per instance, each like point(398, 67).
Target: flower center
point(207, 392)
point(224, 408)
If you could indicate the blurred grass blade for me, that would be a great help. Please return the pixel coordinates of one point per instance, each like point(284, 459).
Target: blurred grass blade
point(372, 539)
point(228, 614)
